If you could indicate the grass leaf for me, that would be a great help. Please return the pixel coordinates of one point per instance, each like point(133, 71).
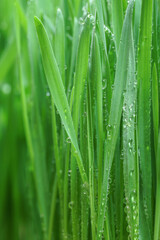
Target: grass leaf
point(116, 110)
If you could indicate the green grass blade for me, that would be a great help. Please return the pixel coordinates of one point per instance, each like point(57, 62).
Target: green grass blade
point(116, 110)
point(52, 208)
point(79, 83)
point(90, 132)
point(23, 96)
point(101, 23)
point(157, 208)
point(57, 160)
point(96, 74)
point(57, 90)
point(117, 20)
point(59, 51)
point(144, 110)
point(155, 107)
point(81, 71)
point(7, 59)
point(119, 190)
point(137, 18)
point(83, 147)
point(59, 44)
point(22, 16)
point(104, 52)
point(76, 30)
point(129, 150)
point(77, 4)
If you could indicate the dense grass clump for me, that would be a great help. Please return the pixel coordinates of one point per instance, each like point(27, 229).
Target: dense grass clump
point(79, 119)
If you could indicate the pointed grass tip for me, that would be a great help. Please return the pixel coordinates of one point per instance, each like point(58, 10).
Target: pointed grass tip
point(37, 21)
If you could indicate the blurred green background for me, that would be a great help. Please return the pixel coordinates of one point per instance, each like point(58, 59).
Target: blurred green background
point(22, 84)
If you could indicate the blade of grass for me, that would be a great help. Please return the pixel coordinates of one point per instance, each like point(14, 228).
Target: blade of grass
point(41, 175)
point(59, 44)
point(144, 110)
point(96, 75)
point(23, 96)
point(137, 18)
point(7, 58)
point(119, 190)
point(59, 51)
point(129, 150)
point(83, 147)
point(116, 110)
point(157, 208)
point(36, 165)
point(58, 162)
point(22, 16)
point(75, 39)
point(104, 53)
point(117, 20)
point(52, 208)
point(91, 158)
point(80, 78)
point(57, 90)
point(155, 107)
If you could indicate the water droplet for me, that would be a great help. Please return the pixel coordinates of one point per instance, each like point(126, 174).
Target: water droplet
point(81, 21)
point(131, 107)
point(133, 197)
point(131, 173)
point(124, 107)
point(69, 173)
point(134, 217)
point(109, 132)
point(48, 94)
point(70, 204)
point(134, 207)
point(128, 228)
point(126, 209)
point(130, 144)
point(147, 148)
point(104, 84)
point(68, 140)
point(135, 84)
point(112, 87)
point(6, 88)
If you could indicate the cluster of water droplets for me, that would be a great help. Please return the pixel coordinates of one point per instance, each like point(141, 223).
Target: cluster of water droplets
point(85, 189)
point(131, 211)
point(69, 172)
point(110, 131)
point(85, 15)
point(44, 230)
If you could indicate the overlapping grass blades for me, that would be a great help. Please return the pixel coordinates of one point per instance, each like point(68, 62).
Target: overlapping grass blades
point(80, 151)
point(79, 83)
point(57, 89)
point(115, 112)
point(7, 59)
